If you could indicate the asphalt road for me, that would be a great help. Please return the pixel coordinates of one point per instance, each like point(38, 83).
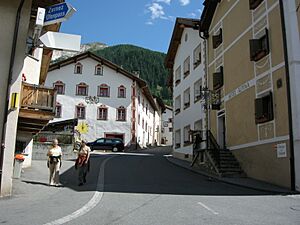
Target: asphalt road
point(140, 189)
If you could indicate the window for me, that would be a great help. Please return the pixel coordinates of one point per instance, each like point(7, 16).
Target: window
point(80, 111)
point(197, 56)
point(217, 39)
point(143, 104)
point(259, 48)
point(177, 139)
point(198, 125)
point(143, 123)
point(186, 96)
point(177, 104)
point(178, 75)
point(187, 136)
point(100, 141)
point(139, 119)
point(218, 78)
point(58, 110)
point(102, 112)
point(59, 86)
point(139, 97)
point(82, 89)
point(78, 68)
point(186, 67)
point(264, 109)
point(121, 114)
point(121, 92)
point(146, 108)
point(254, 3)
point(99, 69)
point(170, 129)
point(103, 90)
point(197, 90)
point(146, 127)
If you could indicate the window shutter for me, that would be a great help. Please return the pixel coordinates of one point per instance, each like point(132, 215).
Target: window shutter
point(218, 79)
point(217, 39)
point(265, 42)
point(254, 3)
point(259, 111)
point(270, 113)
point(254, 48)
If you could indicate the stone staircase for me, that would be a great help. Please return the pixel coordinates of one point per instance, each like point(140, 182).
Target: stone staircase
point(226, 164)
point(220, 161)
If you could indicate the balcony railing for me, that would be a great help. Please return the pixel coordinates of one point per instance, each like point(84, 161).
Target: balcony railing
point(38, 97)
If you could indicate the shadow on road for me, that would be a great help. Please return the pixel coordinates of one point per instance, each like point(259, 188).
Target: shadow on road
point(149, 173)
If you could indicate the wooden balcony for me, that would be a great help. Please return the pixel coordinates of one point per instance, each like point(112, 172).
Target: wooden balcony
point(37, 107)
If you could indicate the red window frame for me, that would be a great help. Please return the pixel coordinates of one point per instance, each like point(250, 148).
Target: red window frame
point(80, 111)
point(121, 92)
point(59, 86)
point(82, 89)
point(78, 68)
point(102, 113)
point(103, 90)
point(121, 113)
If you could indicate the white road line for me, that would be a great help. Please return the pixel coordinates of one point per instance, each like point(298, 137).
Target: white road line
point(91, 204)
point(209, 209)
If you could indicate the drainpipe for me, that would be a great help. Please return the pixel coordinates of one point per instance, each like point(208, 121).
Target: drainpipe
point(10, 74)
point(205, 37)
point(288, 87)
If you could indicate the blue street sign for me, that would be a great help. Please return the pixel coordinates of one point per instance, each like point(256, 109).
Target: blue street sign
point(58, 13)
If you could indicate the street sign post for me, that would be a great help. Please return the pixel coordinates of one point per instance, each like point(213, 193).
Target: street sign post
point(61, 41)
point(58, 13)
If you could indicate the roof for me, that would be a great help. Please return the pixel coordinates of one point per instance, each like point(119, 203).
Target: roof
point(160, 103)
point(143, 84)
point(169, 107)
point(61, 125)
point(207, 15)
point(179, 26)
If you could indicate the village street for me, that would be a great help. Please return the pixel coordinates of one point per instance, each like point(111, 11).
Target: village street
point(140, 188)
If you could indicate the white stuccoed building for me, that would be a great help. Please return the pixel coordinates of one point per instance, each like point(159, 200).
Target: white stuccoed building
point(167, 126)
point(185, 60)
point(108, 100)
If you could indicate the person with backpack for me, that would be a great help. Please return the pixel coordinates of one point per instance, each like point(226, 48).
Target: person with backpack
point(82, 162)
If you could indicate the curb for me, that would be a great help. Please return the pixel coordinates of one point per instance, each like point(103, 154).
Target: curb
point(231, 183)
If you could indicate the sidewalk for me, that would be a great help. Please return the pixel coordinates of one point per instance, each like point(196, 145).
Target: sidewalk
point(34, 180)
point(238, 181)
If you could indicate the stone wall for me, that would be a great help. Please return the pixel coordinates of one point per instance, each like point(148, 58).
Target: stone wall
point(39, 151)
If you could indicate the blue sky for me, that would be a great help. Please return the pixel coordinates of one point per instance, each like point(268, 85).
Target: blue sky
point(145, 23)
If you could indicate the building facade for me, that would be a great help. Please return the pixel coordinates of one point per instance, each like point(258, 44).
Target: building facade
point(185, 60)
point(107, 100)
point(22, 65)
point(253, 68)
point(167, 127)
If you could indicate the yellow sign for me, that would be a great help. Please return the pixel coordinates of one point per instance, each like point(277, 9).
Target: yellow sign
point(14, 100)
point(82, 127)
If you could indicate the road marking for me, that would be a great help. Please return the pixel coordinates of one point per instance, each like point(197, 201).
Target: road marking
point(209, 209)
point(95, 152)
point(91, 204)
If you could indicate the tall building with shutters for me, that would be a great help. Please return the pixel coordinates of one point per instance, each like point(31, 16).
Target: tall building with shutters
point(185, 60)
point(253, 62)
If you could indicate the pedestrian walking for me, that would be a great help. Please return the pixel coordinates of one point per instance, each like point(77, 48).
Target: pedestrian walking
point(54, 163)
point(82, 162)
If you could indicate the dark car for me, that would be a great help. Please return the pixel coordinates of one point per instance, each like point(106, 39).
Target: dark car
point(113, 144)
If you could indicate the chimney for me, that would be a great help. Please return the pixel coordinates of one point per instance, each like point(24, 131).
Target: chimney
point(136, 73)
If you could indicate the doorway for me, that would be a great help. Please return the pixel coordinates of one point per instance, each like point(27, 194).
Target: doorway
point(222, 130)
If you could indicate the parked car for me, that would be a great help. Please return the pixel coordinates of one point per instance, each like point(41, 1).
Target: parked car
point(113, 144)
